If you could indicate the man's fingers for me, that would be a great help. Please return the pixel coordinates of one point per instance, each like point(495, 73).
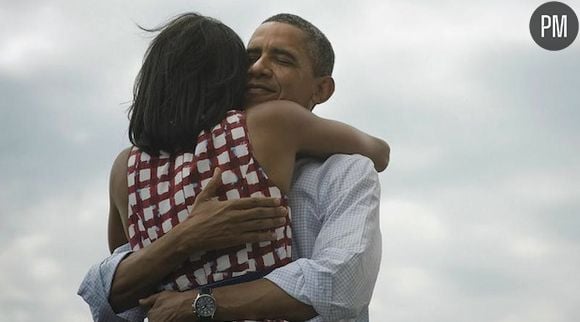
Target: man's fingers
point(252, 237)
point(255, 202)
point(261, 224)
point(149, 301)
point(212, 186)
point(259, 213)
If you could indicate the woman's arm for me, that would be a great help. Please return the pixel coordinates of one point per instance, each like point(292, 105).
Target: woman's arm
point(117, 231)
point(315, 136)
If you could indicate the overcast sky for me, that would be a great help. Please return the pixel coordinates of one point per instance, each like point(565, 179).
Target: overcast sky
point(480, 208)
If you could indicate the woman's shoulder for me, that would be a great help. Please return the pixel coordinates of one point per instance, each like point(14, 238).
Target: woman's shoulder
point(120, 163)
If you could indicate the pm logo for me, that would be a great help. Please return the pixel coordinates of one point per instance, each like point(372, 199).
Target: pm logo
point(554, 26)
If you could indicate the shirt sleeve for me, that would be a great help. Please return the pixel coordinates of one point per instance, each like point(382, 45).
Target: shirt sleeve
point(96, 286)
point(339, 278)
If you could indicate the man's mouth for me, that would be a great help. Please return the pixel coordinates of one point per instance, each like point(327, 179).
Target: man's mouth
point(256, 88)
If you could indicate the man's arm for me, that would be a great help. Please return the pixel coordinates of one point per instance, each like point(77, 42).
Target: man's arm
point(257, 300)
point(95, 290)
point(254, 300)
point(117, 283)
point(212, 224)
point(95, 287)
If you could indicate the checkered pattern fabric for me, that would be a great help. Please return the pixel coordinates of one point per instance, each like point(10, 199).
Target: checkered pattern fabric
point(162, 190)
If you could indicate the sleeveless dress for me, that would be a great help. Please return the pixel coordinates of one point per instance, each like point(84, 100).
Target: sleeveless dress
point(162, 190)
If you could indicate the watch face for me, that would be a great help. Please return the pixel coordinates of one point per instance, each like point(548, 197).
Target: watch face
point(205, 306)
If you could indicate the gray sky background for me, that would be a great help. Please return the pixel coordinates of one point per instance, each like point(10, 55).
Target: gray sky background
point(480, 209)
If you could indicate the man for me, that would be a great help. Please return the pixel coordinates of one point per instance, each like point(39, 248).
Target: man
point(335, 204)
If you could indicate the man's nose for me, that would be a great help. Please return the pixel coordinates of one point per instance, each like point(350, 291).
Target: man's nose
point(260, 68)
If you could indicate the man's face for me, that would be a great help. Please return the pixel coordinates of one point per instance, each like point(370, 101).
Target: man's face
point(280, 66)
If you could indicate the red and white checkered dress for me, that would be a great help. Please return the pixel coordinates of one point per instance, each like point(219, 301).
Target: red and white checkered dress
point(162, 191)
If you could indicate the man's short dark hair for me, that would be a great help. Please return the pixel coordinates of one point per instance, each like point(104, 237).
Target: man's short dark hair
point(319, 47)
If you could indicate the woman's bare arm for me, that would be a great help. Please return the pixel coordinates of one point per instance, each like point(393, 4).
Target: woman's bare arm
point(309, 134)
point(118, 201)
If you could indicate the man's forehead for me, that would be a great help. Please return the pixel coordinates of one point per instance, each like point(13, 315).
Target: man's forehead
point(278, 34)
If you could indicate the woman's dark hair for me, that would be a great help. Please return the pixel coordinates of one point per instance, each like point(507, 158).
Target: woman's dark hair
point(193, 72)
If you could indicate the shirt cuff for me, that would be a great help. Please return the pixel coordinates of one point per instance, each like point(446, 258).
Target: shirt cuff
point(307, 282)
point(96, 287)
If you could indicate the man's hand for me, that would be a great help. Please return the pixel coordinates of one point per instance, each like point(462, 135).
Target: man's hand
point(169, 306)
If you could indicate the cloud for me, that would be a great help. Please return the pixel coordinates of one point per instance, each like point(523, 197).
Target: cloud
point(42, 263)
point(465, 263)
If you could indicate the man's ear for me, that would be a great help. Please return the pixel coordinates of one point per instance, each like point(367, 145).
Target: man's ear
point(324, 89)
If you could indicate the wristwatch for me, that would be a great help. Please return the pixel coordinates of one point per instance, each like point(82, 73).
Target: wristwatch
point(204, 305)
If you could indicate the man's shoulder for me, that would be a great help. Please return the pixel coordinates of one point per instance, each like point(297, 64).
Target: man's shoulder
point(335, 170)
point(349, 160)
point(336, 163)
